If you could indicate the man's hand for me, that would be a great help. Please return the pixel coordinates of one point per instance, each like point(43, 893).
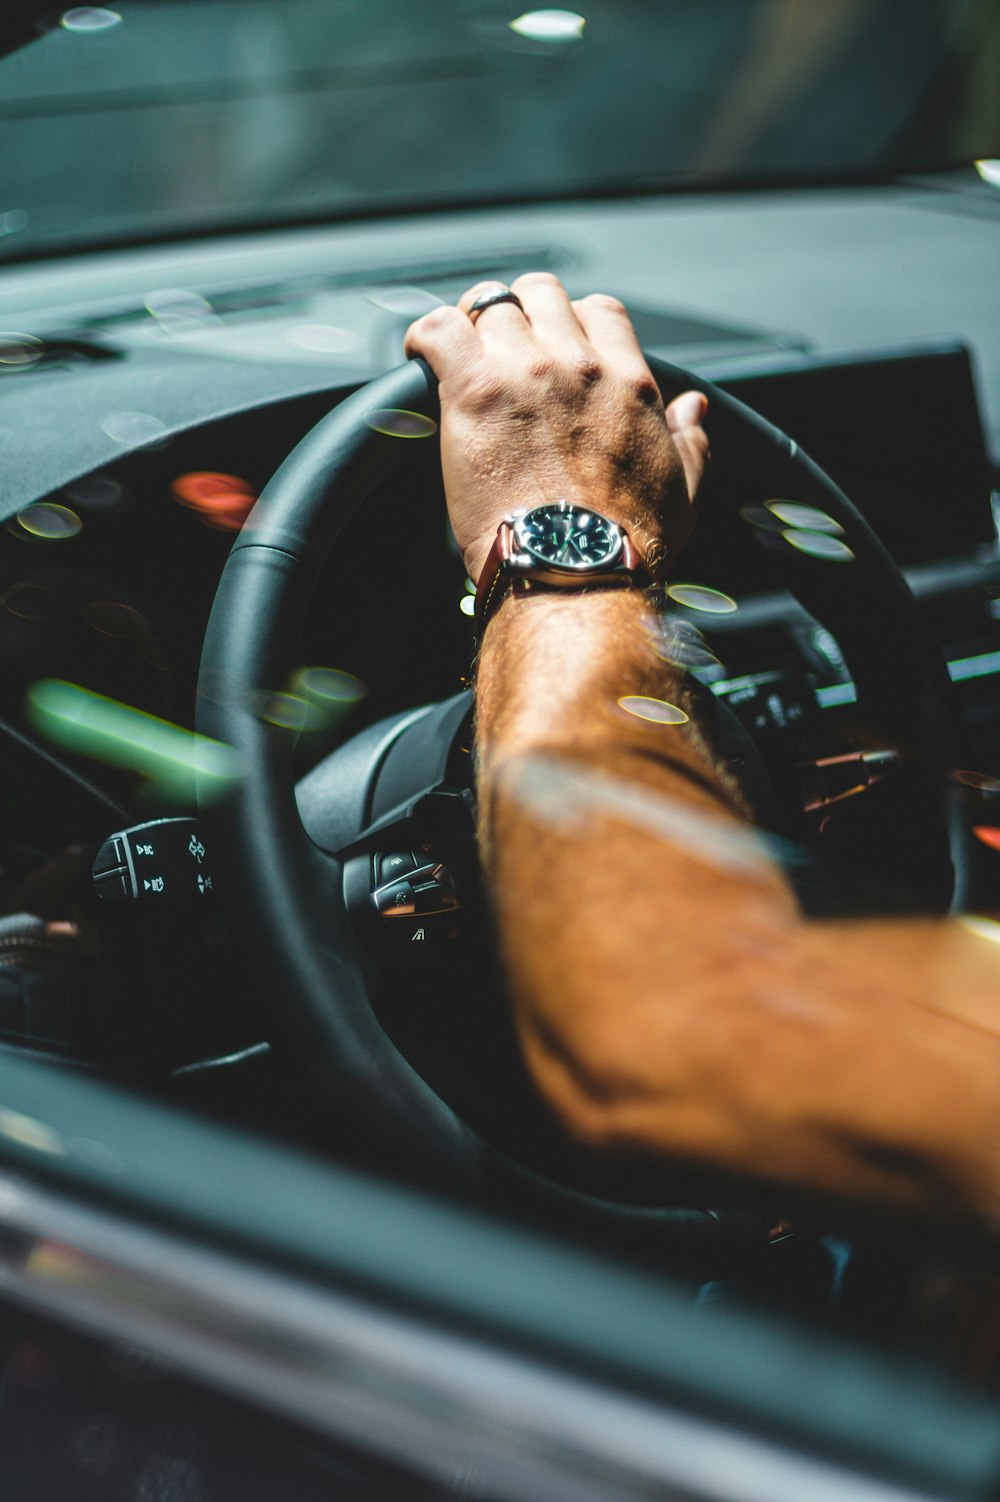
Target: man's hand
point(557, 401)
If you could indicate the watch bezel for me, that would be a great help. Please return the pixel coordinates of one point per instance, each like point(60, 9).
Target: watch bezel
point(588, 566)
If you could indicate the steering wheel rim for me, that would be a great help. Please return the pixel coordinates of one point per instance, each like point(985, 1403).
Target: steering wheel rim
point(287, 895)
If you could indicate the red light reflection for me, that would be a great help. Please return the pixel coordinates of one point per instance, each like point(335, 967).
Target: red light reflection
point(222, 501)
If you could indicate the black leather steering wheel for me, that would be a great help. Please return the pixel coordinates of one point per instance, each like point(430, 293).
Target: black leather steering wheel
point(287, 895)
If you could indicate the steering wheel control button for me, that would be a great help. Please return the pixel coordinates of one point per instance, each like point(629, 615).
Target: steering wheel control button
point(113, 886)
point(161, 861)
point(427, 890)
point(389, 865)
point(110, 857)
point(395, 900)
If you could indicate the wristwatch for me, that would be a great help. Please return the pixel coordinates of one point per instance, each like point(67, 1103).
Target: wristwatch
point(558, 545)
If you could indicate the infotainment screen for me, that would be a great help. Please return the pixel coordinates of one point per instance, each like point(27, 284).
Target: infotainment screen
point(899, 433)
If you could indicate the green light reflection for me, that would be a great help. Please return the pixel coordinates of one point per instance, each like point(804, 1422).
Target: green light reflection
point(181, 764)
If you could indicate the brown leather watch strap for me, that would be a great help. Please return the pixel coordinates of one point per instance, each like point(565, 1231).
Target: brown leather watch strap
point(492, 576)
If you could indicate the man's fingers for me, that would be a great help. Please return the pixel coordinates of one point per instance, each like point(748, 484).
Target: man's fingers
point(607, 325)
point(550, 312)
point(443, 337)
point(503, 323)
point(684, 419)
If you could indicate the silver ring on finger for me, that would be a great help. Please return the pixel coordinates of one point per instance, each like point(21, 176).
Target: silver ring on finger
point(488, 299)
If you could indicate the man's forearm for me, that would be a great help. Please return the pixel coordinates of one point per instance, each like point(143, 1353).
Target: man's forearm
point(668, 995)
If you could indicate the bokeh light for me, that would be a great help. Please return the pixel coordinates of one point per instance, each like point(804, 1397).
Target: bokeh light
point(989, 835)
point(135, 429)
point(979, 782)
point(183, 766)
point(804, 518)
point(114, 618)
point(407, 302)
point(20, 351)
point(48, 522)
point(222, 501)
point(329, 686)
point(658, 711)
point(88, 19)
point(759, 516)
point(818, 545)
point(324, 338)
point(12, 221)
point(30, 602)
point(179, 309)
point(395, 422)
point(467, 604)
point(96, 493)
point(290, 712)
point(700, 597)
point(316, 698)
point(552, 26)
point(680, 643)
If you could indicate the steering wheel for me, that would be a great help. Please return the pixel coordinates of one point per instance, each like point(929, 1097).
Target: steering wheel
point(287, 895)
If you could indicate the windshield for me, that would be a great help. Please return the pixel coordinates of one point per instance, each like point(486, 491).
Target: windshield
point(155, 119)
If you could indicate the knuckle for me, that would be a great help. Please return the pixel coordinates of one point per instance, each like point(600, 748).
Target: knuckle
point(542, 367)
point(436, 320)
point(538, 279)
point(587, 368)
point(491, 284)
point(484, 388)
point(643, 387)
point(604, 302)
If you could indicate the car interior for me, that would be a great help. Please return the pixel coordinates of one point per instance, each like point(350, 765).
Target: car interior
point(238, 869)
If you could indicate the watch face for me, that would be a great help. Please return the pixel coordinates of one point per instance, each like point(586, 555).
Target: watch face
point(567, 536)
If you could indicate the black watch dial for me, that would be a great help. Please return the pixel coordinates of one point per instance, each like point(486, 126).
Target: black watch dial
point(562, 535)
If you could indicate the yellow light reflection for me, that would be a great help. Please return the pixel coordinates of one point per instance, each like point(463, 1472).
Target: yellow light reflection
point(49, 522)
point(804, 518)
point(177, 760)
point(700, 597)
point(19, 350)
point(87, 19)
point(819, 545)
point(329, 686)
point(395, 422)
point(291, 712)
point(29, 1132)
point(658, 711)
